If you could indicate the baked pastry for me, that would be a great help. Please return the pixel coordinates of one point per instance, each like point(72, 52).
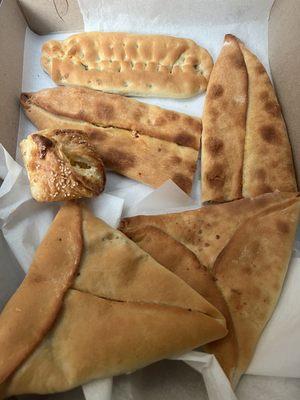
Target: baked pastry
point(246, 244)
point(62, 164)
point(136, 65)
point(183, 262)
point(245, 145)
point(112, 309)
point(141, 141)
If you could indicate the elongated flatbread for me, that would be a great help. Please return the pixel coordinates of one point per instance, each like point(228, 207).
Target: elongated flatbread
point(246, 150)
point(224, 126)
point(250, 272)
point(268, 162)
point(246, 244)
point(131, 137)
point(123, 311)
point(139, 65)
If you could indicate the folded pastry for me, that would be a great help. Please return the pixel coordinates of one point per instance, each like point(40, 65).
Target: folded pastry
point(139, 65)
point(95, 305)
point(141, 141)
point(62, 164)
point(183, 262)
point(246, 244)
point(246, 150)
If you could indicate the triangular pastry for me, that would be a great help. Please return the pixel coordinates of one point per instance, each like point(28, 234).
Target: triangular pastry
point(246, 244)
point(122, 311)
point(181, 261)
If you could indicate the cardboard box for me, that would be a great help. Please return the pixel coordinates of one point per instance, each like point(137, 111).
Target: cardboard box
point(45, 16)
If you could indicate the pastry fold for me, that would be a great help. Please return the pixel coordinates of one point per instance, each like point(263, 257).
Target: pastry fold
point(62, 164)
point(246, 246)
point(116, 310)
point(138, 140)
point(136, 65)
point(245, 145)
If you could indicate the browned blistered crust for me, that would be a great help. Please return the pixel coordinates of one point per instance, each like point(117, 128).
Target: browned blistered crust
point(140, 65)
point(245, 146)
point(246, 244)
point(122, 311)
point(141, 141)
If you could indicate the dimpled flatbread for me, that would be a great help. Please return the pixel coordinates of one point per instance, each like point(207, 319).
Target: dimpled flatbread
point(131, 64)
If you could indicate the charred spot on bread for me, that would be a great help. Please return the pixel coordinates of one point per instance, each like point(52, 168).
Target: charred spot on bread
point(25, 100)
point(269, 134)
point(272, 108)
point(214, 145)
point(184, 139)
point(118, 159)
point(183, 182)
point(215, 91)
point(43, 143)
point(215, 177)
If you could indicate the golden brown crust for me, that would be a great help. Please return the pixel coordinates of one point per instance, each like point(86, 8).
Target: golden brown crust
point(125, 306)
point(244, 243)
point(97, 338)
point(140, 65)
point(224, 125)
point(246, 150)
point(250, 272)
point(268, 162)
point(178, 259)
point(30, 313)
point(114, 267)
point(62, 164)
point(207, 230)
point(111, 110)
point(129, 152)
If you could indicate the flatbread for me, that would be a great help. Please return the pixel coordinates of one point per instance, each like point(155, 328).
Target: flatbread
point(123, 311)
point(224, 126)
point(130, 136)
point(246, 244)
point(246, 150)
point(207, 230)
point(136, 65)
point(268, 161)
point(250, 272)
point(41, 293)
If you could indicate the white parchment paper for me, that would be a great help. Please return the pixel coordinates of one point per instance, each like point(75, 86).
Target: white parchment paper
point(24, 222)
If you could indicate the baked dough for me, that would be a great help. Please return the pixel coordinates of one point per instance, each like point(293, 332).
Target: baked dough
point(181, 261)
point(138, 140)
point(245, 145)
point(122, 310)
point(139, 65)
point(62, 164)
point(246, 244)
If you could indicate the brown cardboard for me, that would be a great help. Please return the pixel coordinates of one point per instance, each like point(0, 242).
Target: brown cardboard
point(12, 34)
point(284, 54)
point(45, 16)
